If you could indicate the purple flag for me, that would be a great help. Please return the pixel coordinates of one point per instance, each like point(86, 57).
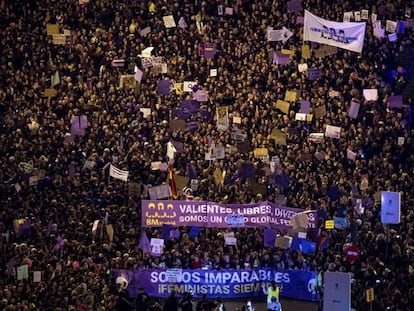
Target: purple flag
point(166, 230)
point(59, 244)
point(353, 110)
point(280, 58)
point(304, 106)
point(190, 105)
point(175, 234)
point(163, 87)
point(144, 243)
point(269, 237)
point(178, 145)
point(314, 74)
point(194, 232)
point(395, 101)
point(191, 171)
point(191, 126)
point(180, 114)
point(282, 181)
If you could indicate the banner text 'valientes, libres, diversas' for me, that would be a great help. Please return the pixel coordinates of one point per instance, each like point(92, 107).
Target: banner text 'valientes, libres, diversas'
point(219, 283)
point(156, 213)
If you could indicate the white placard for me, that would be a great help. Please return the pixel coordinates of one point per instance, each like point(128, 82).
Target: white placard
point(333, 131)
point(337, 291)
point(230, 241)
point(390, 207)
point(174, 275)
point(169, 21)
point(157, 247)
point(370, 94)
point(159, 192)
point(188, 86)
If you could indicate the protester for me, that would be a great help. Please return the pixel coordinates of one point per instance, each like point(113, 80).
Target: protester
point(65, 117)
point(171, 304)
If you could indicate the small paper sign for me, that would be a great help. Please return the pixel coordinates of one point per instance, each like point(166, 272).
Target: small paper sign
point(235, 220)
point(329, 224)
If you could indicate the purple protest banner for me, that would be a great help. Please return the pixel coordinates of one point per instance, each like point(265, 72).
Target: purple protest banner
point(233, 283)
point(155, 213)
point(209, 50)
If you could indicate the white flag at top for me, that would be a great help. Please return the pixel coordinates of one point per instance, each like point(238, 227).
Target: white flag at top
point(117, 173)
point(347, 35)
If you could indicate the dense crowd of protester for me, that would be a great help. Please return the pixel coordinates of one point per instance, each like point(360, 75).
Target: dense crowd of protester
point(46, 185)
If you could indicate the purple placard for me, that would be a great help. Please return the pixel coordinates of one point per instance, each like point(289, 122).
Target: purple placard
point(304, 106)
point(395, 101)
point(163, 87)
point(353, 110)
point(294, 6)
point(155, 213)
point(280, 58)
point(314, 73)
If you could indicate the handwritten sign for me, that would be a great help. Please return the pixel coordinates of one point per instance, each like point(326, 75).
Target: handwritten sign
point(235, 220)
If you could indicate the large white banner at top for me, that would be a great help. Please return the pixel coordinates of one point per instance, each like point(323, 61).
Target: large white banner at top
point(348, 35)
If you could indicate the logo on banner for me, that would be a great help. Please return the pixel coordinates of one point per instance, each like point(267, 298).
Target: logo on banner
point(337, 35)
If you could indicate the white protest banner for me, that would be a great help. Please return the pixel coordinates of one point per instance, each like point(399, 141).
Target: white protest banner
point(347, 35)
point(287, 34)
point(117, 173)
point(333, 131)
point(235, 220)
point(337, 291)
point(169, 21)
point(274, 35)
point(370, 94)
point(156, 247)
point(159, 192)
point(390, 207)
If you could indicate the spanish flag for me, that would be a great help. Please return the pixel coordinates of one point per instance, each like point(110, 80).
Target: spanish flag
point(171, 180)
